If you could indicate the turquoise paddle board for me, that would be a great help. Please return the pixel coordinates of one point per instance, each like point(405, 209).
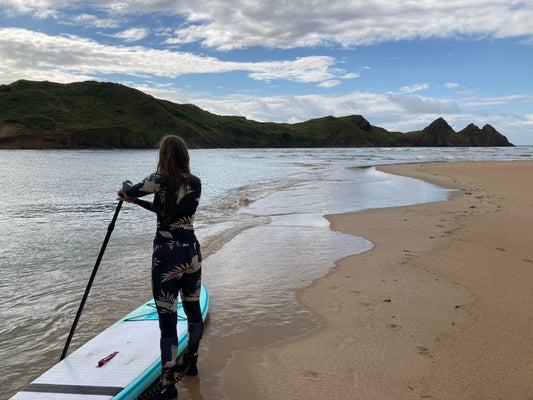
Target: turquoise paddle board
point(120, 363)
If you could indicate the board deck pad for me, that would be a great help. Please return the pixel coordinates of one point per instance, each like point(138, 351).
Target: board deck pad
point(126, 375)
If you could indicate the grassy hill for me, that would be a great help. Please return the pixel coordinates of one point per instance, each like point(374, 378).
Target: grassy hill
point(108, 115)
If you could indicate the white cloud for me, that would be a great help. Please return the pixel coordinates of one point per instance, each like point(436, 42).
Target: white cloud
point(329, 84)
point(132, 34)
point(375, 107)
point(229, 24)
point(414, 88)
point(44, 14)
point(478, 101)
point(305, 69)
point(75, 56)
point(300, 23)
point(424, 105)
point(395, 113)
point(351, 75)
point(189, 35)
point(451, 85)
point(32, 6)
point(287, 108)
point(349, 23)
point(92, 21)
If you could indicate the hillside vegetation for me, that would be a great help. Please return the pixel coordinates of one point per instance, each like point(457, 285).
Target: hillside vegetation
point(109, 115)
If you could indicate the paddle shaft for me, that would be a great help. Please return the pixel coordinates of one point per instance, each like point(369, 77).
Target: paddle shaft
point(91, 279)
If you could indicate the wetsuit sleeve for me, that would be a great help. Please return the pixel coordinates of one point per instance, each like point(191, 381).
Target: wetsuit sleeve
point(145, 204)
point(147, 186)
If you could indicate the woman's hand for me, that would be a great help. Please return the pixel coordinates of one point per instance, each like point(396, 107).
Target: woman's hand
point(122, 197)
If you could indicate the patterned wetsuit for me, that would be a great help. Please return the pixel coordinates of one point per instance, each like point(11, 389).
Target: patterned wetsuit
point(176, 261)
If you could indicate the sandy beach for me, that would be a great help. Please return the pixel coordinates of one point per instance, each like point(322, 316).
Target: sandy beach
point(440, 308)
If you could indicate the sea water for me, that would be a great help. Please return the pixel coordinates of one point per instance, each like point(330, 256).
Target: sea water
point(260, 222)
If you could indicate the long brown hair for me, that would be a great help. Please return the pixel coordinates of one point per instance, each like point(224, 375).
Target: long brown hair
point(174, 168)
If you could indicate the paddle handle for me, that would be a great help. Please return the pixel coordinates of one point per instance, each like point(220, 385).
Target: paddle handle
point(91, 279)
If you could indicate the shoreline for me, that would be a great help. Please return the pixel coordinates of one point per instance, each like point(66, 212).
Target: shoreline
point(415, 316)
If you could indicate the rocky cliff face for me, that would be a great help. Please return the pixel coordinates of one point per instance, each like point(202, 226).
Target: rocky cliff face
point(487, 136)
point(439, 127)
point(440, 133)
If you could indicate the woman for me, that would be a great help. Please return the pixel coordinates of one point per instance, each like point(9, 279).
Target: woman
point(176, 260)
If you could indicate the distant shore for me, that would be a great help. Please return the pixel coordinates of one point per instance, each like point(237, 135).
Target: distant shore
point(439, 308)
point(105, 115)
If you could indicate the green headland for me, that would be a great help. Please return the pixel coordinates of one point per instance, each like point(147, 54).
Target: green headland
point(38, 115)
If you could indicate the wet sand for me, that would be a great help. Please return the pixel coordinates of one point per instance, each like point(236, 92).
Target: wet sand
point(440, 308)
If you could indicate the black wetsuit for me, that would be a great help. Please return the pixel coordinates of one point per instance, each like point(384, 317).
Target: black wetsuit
point(176, 262)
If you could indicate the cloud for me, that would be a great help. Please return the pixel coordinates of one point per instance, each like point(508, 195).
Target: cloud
point(300, 23)
point(233, 24)
point(424, 105)
point(380, 108)
point(395, 113)
point(92, 21)
point(351, 75)
point(32, 6)
point(44, 14)
point(451, 85)
point(305, 69)
point(529, 120)
point(414, 88)
point(329, 84)
point(496, 101)
point(285, 108)
point(79, 57)
point(132, 34)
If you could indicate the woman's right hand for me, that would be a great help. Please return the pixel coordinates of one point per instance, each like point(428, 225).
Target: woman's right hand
point(122, 197)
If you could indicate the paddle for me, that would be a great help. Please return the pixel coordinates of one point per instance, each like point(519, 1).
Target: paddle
point(91, 279)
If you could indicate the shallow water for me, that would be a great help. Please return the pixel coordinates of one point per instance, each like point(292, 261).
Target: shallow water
point(260, 223)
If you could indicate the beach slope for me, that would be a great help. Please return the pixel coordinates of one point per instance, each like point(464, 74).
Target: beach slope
point(438, 309)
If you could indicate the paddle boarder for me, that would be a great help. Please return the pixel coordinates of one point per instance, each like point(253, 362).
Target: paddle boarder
point(176, 258)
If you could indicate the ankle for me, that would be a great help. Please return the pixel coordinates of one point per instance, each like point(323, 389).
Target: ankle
point(188, 365)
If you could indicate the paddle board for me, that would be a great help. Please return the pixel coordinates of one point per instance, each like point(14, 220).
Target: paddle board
point(120, 363)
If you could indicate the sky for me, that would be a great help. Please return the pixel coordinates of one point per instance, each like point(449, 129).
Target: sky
point(400, 64)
